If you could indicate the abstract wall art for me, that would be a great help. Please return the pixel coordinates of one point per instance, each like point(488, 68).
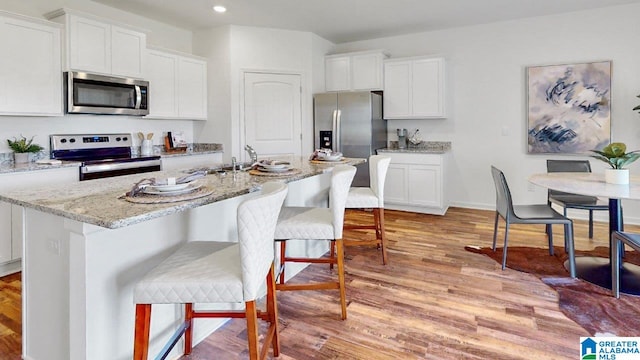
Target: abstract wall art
point(569, 107)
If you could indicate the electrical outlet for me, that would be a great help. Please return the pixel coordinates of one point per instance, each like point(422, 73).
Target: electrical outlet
point(54, 246)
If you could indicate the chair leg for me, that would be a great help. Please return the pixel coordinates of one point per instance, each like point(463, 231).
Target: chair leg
point(141, 337)
point(272, 310)
point(283, 251)
point(188, 334)
point(568, 239)
point(504, 249)
point(379, 214)
point(343, 295)
point(252, 329)
point(550, 239)
point(495, 232)
point(615, 266)
point(332, 253)
point(590, 224)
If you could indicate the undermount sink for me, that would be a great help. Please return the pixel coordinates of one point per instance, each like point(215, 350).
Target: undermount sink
point(222, 168)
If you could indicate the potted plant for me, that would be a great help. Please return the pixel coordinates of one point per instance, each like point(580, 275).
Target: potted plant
point(616, 156)
point(22, 148)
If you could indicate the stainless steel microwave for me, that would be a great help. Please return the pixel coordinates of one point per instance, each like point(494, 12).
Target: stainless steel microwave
point(97, 94)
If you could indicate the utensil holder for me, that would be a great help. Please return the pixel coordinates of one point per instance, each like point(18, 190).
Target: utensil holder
point(146, 148)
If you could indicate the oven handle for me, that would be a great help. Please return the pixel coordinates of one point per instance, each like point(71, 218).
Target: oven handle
point(138, 97)
point(88, 169)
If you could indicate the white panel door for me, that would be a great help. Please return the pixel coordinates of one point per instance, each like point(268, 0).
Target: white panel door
point(272, 113)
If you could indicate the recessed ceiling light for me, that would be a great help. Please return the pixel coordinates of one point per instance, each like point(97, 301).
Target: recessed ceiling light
point(219, 8)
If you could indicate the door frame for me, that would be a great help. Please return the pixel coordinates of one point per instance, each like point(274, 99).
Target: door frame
point(304, 108)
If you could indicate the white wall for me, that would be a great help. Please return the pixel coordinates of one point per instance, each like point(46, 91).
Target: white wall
point(487, 66)
point(158, 34)
point(259, 49)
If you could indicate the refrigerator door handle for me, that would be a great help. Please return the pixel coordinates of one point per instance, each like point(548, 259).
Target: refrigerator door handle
point(334, 129)
point(337, 129)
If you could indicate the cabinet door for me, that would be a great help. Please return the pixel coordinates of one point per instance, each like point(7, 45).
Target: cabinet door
point(427, 88)
point(337, 73)
point(395, 186)
point(161, 72)
point(5, 232)
point(192, 88)
point(127, 52)
point(89, 45)
point(17, 231)
point(30, 68)
point(366, 72)
point(425, 188)
point(397, 90)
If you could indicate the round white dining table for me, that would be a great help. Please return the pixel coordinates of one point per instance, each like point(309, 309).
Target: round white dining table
point(595, 269)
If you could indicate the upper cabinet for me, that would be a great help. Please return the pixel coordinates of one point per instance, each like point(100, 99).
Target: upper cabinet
point(98, 46)
point(177, 84)
point(414, 88)
point(30, 66)
point(354, 71)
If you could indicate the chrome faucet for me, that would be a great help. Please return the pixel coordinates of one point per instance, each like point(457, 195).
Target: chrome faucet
point(233, 164)
point(252, 154)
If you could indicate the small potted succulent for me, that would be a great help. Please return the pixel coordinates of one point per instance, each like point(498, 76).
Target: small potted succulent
point(616, 155)
point(22, 148)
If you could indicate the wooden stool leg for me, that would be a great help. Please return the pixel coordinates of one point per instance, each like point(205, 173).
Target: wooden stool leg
point(343, 295)
point(383, 237)
point(332, 253)
point(141, 337)
point(272, 309)
point(283, 251)
point(252, 329)
point(188, 334)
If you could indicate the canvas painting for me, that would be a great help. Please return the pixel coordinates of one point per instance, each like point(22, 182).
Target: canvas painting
point(569, 107)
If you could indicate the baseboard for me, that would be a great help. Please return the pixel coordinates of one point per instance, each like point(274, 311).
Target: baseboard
point(10, 267)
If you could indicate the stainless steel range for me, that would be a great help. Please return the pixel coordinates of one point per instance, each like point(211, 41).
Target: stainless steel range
point(102, 155)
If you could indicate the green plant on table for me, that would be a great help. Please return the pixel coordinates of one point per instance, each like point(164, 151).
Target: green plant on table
point(23, 145)
point(616, 156)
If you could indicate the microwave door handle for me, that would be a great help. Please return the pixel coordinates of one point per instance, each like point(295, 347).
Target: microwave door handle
point(138, 97)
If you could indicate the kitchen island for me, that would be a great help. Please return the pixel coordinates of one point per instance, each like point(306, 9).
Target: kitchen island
point(86, 247)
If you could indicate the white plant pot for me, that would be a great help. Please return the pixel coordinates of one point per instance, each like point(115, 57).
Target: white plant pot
point(616, 176)
point(20, 158)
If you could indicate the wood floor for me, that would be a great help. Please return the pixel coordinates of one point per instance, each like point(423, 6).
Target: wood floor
point(434, 300)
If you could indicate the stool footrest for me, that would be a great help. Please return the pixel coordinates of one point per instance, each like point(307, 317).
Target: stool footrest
point(361, 242)
point(173, 340)
point(312, 286)
point(313, 260)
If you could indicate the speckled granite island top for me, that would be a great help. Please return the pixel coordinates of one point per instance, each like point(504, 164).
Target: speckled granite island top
point(99, 202)
point(425, 147)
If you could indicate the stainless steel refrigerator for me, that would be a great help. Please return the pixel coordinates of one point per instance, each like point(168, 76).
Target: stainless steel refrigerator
point(350, 122)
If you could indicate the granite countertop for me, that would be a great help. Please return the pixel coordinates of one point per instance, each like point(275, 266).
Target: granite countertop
point(194, 149)
point(9, 167)
point(425, 147)
point(99, 202)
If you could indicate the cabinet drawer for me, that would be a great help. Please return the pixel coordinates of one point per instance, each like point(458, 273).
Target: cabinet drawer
point(406, 158)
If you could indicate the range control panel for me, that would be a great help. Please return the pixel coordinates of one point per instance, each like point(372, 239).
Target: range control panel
point(89, 141)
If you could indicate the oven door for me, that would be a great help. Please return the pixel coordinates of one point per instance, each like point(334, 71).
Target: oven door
point(97, 94)
point(99, 171)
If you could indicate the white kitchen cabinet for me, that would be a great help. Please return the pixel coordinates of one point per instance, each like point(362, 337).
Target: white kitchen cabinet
point(11, 216)
point(414, 88)
point(354, 71)
point(416, 182)
point(177, 84)
point(192, 161)
point(99, 46)
point(30, 66)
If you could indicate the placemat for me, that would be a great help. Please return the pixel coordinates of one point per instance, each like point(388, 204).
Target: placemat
point(324, 162)
point(274, 174)
point(143, 198)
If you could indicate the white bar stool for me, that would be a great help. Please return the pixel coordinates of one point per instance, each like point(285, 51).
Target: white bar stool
point(309, 223)
point(218, 272)
point(371, 198)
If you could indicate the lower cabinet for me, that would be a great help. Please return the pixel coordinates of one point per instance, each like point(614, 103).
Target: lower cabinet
point(11, 216)
point(415, 182)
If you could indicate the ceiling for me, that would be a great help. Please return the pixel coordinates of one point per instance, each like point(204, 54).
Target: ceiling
point(350, 20)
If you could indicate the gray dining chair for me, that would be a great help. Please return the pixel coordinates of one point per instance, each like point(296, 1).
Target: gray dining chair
point(528, 214)
point(618, 240)
point(574, 201)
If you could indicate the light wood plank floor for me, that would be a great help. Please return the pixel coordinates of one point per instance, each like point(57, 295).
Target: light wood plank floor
point(434, 300)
